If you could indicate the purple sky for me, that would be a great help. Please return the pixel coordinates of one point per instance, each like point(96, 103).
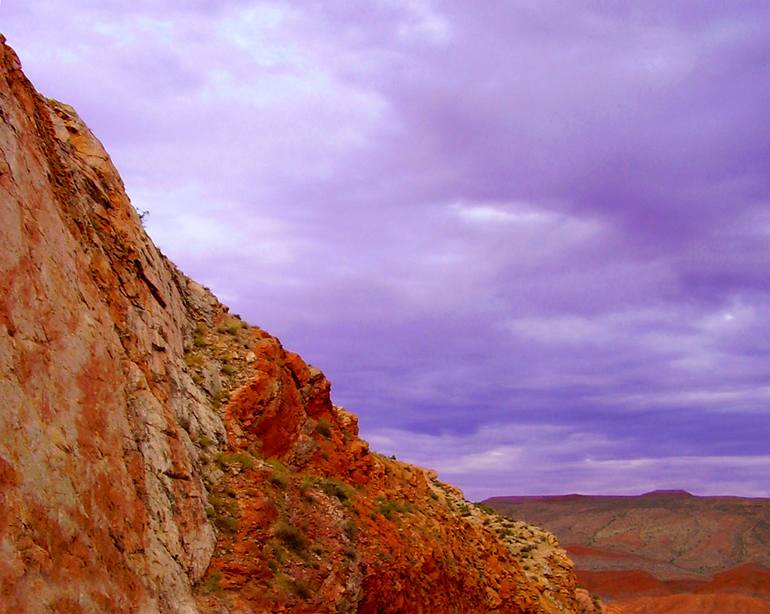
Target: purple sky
point(529, 243)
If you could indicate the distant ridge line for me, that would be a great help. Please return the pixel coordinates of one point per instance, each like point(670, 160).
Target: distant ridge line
point(676, 493)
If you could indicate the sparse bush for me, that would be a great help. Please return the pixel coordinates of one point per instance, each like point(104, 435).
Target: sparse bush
point(223, 512)
point(279, 475)
point(216, 501)
point(193, 360)
point(223, 504)
point(486, 509)
point(218, 399)
point(388, 507)
point(231, 458)
point(304, 490)
point(211, 584)
point(204, 441)
point(323, 428)
point(301, 589)
point(291, 536)
point(199, 336)
point(226, 523)
point(278, 552)
point(297, 586)
point(228, 369)
point(276, 465)
point(335, 488)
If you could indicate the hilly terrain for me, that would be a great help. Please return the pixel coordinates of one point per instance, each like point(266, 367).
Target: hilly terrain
point(664, 551)
point(160, 454)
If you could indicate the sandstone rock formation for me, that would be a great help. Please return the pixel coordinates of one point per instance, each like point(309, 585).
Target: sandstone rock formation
point(157, 454)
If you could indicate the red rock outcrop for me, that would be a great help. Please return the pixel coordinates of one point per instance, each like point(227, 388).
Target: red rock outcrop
point(157, 454)
point(319, 523)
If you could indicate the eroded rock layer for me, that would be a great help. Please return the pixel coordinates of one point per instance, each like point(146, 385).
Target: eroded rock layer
point(157, 454)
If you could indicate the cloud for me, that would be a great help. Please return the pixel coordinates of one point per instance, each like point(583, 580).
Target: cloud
point(533, 214)
point(515, 458)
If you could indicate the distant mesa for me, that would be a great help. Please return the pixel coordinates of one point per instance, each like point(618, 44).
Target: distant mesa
point(667, 493)
point(661, 552)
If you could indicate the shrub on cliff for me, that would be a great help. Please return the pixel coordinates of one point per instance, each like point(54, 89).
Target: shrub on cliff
point(291, 536)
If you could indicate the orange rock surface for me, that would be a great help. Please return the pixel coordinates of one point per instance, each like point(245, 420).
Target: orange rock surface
point(322, 524)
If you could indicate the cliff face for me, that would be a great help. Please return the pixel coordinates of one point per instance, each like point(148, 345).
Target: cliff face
point(157, 454)
point(102, 506)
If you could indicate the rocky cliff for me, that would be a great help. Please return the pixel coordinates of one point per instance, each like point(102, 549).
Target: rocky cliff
point(158, 454)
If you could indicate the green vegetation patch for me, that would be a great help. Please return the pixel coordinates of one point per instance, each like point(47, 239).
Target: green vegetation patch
point(205, 441)
point(232, 325)
point(226, 523)
point(486, 509)
point(295, 585)
point(389, 508)
point(230, 458)
point(335, 488)
point(324, 428)
point(223, 512)
point(279, 476)
point(291, 536)
point(211, 584)
point(194, 360)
